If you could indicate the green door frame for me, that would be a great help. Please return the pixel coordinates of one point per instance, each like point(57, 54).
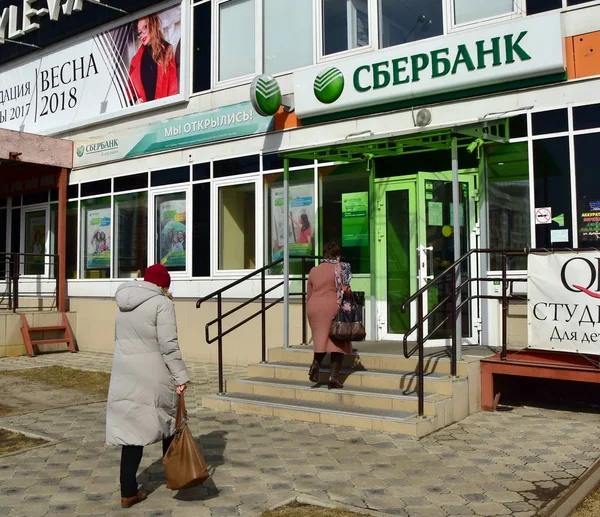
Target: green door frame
point(416, 241)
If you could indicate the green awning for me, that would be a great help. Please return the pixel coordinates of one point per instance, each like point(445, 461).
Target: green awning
point(360, 147)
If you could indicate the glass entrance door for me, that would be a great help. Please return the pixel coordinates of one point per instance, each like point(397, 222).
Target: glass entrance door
point(414, 244)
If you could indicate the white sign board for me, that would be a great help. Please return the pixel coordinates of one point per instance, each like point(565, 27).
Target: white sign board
point(543, 215)
point(517, 50)
point(564, 301)
point(136, 66)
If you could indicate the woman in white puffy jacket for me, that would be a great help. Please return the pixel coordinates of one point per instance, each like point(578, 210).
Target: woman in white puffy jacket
point(148, 374)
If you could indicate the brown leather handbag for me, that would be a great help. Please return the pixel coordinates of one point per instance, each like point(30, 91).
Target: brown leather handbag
point(184, 464)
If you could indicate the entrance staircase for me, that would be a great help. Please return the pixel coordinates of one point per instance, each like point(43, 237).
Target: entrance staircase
point(379, 392)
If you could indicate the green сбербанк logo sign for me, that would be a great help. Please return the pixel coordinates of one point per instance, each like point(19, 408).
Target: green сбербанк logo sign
point(329, 85)
point(490, 53)
point(265, 95)
point(80, 151)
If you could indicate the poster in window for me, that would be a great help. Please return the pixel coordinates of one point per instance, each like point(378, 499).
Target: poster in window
point(301, 216)
point(355, 219)
point(172, 236)
point(589, 224)
point(98, 234)
point(35, 242)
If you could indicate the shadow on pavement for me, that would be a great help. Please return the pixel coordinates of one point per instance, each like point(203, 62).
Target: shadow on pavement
point(212, 446)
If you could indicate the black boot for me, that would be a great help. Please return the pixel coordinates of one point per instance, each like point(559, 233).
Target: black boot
point(313, 373)
point(334, 377)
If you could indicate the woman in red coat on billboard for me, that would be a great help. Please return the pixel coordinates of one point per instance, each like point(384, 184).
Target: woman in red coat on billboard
point(153, 72)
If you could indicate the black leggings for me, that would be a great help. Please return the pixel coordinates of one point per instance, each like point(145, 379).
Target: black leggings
point(131, 456)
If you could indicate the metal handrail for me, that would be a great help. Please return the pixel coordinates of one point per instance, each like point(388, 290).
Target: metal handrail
point(12, 272)
point(218, 294)
point(453, 271)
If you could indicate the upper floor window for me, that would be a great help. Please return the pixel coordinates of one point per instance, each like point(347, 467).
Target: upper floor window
point(283, 47)
point(541, 6)
point(345, 25)
point(410, 20)
point(467, 11)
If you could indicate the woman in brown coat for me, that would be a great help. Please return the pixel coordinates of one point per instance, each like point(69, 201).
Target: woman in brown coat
point(327, 283)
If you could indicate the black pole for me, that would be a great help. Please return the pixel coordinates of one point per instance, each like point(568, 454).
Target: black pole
point(504, 308)
point(8, 264)
point(263, 316)
point(421, 380)
point(453, 317)
point(220, 341)
point(304, 335)
point(15, 280)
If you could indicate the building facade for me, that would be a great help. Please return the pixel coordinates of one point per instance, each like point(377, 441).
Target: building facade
point(382, 100)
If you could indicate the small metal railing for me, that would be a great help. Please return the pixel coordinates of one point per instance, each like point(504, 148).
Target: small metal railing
point(454, 298)
point(264, 307)
point(16, 268)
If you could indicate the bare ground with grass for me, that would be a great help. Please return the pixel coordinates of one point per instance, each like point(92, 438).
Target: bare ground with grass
point(305, 510)
point(11, 442)
point(590, 506)
point(38, 389)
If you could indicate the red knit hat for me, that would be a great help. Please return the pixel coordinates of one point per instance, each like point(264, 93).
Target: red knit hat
point(159, 275)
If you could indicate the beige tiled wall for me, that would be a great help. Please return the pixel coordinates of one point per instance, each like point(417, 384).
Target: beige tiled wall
point(96, 328)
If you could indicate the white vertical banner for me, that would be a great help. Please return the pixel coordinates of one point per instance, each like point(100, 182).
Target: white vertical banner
point(564, 301)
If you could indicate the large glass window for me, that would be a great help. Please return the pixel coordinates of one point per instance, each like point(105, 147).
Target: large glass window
point(553, 190)
point(508, 201)
point(410, 20)
point(96, 246)
point(345, 25)
point(540, 6)
point(588, 189)
point(237, 36)
point(349, 184)
point(237, 226)
point(466, 11)
point(35, 238)
point(171, 230)
point(131, 235)
point(288, 35)
point(301, 217)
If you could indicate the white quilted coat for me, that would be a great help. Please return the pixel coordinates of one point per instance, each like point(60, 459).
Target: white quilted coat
point(147, 367)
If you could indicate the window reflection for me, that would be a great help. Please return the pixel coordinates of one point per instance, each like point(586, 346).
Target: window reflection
point(409, 20)
point(345, 25)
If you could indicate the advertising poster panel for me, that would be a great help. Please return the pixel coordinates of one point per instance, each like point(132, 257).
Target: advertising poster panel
point(131, 67)
point(172, 236)
point(98, 235)
point(355, 219)
point(301, 219)
point(563, 301)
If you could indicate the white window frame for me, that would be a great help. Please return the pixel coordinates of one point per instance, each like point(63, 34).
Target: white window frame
point(161, 191)
point(450, 26)
point(232, 181)
point(26, 209)
point(319, 33)
point(258, 49)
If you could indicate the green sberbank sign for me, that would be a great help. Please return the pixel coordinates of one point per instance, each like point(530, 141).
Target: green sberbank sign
point(231, 121)
point(503, 54)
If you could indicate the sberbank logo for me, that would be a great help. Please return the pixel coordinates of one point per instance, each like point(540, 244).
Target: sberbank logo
point(265, 95)
point(80, 151)
point(329, 85)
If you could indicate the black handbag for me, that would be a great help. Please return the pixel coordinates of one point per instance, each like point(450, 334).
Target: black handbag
point(349, 325)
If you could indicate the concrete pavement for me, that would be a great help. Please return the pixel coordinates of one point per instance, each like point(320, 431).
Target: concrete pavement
point(505, 463)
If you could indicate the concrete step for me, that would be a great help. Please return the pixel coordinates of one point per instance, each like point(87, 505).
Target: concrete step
point(324, 413)
point(433, 364)
point(380, 399)
point(405, 381)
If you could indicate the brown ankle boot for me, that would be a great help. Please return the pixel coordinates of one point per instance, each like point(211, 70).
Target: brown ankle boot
point(334, 377)
point(128, 502)
point(313, 373)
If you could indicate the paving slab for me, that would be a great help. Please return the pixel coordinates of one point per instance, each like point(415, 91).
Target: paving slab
point(505, 463)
